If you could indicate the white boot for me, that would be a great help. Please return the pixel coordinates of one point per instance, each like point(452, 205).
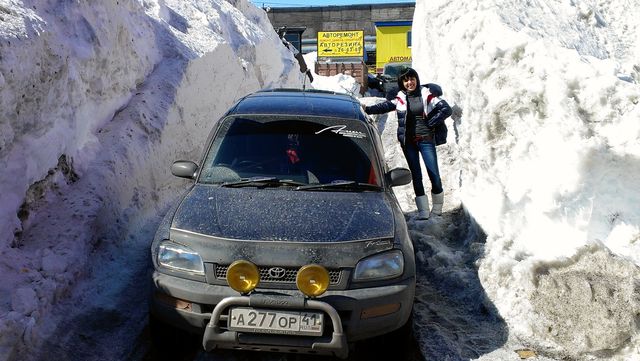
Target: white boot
point(438, 201)
point(423, 207)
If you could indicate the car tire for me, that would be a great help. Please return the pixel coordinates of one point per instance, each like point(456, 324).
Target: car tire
point(397, 345)
point(170, 343)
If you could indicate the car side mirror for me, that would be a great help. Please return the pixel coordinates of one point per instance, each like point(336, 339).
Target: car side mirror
point(399, 176)
point(184, 169)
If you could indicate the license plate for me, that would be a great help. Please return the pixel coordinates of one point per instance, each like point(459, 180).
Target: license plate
point(276, 321)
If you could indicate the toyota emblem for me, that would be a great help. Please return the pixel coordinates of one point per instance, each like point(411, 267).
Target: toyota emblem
point(276, 272)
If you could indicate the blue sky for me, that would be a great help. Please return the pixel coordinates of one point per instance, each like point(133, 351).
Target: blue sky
point(294, 3)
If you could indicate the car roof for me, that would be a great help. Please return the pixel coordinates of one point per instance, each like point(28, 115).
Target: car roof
point(299, 102)
point(399, 63)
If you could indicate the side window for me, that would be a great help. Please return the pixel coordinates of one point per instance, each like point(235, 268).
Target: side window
point(409, 39)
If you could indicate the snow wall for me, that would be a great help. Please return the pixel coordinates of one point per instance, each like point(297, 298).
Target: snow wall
point(546, 131)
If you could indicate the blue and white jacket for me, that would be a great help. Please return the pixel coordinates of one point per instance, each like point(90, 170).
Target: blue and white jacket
point(436, 111)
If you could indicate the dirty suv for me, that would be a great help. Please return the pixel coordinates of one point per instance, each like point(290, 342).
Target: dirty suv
point(290, 238)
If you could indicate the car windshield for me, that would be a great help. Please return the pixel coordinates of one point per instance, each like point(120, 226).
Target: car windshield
point(277, 151)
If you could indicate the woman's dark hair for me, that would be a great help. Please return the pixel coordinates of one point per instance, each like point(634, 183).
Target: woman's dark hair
point(407, 72)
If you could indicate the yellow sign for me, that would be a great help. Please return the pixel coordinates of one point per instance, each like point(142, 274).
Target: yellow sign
point(341, 43)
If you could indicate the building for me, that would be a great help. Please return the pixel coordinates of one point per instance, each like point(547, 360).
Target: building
point(333, 18)
point(351, 17)
point(393, 43)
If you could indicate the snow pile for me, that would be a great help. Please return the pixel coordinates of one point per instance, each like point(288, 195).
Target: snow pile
point(96, 100)
point(547, 153)
point(339, 83)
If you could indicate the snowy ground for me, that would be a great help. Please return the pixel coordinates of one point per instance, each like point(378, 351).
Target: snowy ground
point(537, 252)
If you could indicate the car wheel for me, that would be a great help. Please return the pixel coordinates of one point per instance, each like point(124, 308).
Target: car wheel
point(396, 345)
point(170, 343)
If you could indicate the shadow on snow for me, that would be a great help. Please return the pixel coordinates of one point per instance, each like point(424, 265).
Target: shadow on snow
point(453, 317)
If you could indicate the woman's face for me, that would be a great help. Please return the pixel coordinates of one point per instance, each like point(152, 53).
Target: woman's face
point(410, 83)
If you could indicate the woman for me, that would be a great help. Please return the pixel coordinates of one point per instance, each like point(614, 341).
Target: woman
point(420, 111)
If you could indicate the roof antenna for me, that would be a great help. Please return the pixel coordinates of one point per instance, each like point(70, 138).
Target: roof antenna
point(304, 82)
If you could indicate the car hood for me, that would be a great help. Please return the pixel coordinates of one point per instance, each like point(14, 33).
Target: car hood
point(283, 214)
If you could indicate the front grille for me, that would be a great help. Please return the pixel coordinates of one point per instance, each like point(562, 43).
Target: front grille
point(288, 277)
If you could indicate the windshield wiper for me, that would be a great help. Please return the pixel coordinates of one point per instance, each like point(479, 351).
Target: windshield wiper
point(341, 185)
point(261, 182)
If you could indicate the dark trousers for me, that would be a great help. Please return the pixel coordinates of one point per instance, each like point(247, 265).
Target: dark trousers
point(427, 149)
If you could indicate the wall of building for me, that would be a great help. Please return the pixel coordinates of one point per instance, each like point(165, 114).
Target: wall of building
point(392, 45)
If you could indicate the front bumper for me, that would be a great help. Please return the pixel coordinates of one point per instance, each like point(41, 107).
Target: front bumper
point(216, 336)
point(354, 314)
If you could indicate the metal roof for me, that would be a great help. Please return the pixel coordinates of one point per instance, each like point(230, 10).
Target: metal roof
point(394, 23)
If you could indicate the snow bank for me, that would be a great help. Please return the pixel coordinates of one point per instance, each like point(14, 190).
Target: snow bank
point(339, 83)
point(66, 69)
point(97, 99)
point(546, 130)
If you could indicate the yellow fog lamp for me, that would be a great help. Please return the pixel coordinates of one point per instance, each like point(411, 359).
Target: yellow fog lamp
point(243, 276)
point(312, 280)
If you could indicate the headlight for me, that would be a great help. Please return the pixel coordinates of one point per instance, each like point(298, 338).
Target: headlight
point(243, 276)
point(380, 266)
point(312, 280)
point(179, 258)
